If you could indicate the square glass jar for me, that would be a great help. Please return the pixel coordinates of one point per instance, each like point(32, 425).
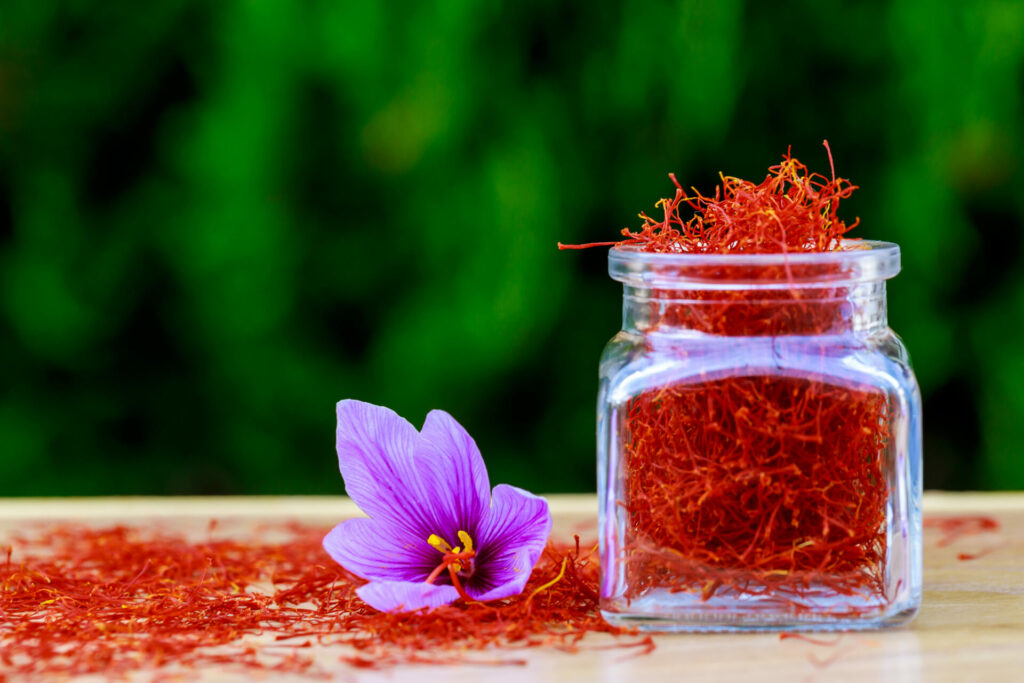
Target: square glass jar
point(759, 444)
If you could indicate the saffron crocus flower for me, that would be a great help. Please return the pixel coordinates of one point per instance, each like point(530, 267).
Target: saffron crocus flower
point(436, 531)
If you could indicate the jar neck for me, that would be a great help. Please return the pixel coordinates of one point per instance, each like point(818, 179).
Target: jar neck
point(858, 308)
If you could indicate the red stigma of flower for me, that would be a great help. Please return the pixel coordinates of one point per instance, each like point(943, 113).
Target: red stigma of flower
point(456, 560)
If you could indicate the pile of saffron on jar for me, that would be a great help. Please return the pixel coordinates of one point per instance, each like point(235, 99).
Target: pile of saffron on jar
point(112, 601)
point(791, 211)
point(762, 485)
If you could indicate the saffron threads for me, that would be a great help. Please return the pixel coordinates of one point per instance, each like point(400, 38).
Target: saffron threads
point(757, 485)
point(77, 601)
point(763, 484)
point(954, 528)
point(791, 210)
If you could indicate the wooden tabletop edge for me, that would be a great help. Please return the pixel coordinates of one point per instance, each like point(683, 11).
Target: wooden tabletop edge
point(576, 505)
point(224, 506)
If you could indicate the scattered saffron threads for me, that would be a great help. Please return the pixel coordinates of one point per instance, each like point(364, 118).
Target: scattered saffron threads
point(954, 528)
point(766, 485)
point(113, 601)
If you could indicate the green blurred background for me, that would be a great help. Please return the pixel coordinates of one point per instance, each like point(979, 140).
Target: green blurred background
point(219, 218)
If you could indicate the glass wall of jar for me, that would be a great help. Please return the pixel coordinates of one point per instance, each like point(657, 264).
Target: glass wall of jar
point(759, 444)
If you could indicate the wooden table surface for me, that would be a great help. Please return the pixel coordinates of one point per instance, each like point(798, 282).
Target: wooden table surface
point(971, 625)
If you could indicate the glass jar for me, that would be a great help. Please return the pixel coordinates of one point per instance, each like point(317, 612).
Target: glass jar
point(759, 444)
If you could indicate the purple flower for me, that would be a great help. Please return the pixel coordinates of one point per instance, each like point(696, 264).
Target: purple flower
point(436, 530)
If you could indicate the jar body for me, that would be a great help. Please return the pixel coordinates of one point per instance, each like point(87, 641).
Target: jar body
point(753, 480)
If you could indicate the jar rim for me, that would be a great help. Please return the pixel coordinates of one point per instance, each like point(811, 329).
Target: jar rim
point(854, 262)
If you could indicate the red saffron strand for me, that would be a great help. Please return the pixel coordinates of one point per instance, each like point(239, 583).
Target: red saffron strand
point(965, 557)
point(113, 601)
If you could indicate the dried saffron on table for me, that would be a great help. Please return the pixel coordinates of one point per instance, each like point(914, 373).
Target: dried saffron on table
point(758, 421)
point(112, 601)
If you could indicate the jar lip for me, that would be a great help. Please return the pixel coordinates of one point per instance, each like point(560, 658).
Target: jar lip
point(855, 261)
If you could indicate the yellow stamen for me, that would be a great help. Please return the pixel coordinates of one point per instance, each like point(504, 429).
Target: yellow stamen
point(466, 541)
point(453, 557)
point(439, 543)
point(550, 583)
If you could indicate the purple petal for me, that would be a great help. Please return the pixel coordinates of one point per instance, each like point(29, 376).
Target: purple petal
point(379, 551)
point(405, 596)
point(451, 467)
point(375, 455)
point(511, 539)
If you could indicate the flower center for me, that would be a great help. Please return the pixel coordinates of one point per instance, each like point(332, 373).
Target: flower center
point(457, 560)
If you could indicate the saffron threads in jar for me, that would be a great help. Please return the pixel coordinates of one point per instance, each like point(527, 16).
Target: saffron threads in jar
point(112, 601)
point(755, 476)
point(757, 485)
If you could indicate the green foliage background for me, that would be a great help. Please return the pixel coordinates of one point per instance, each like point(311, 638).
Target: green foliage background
point(219, 218)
